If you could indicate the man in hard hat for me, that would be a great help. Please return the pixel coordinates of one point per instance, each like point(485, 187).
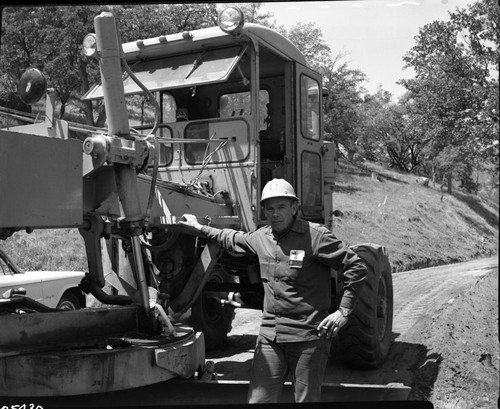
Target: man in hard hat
point(295, 258)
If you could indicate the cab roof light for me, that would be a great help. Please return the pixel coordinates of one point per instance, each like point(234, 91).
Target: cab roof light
point(231, 20)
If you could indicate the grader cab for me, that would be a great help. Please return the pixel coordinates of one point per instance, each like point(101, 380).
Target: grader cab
point(197, 122)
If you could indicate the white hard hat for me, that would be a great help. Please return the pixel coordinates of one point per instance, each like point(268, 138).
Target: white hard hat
point(278, 188)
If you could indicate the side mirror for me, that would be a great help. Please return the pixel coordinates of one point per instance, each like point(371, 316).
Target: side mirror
point(13, 292)
point(32, 86)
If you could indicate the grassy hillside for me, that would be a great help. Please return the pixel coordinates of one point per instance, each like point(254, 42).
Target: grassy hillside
point(410, 220)
point(419, 229)
point(58, 249)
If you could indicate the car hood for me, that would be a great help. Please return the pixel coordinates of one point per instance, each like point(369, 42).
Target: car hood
point(52, 275)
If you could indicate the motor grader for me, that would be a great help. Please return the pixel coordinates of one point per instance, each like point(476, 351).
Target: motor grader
point(197, 122)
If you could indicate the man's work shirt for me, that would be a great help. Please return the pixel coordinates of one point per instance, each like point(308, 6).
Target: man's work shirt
point(295, 272)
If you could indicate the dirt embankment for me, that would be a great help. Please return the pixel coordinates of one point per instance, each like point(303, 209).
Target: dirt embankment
point(462, 358)
point(418, 225)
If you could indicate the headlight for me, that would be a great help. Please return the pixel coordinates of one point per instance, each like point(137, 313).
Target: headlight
point(231, 20)
point(89, 46)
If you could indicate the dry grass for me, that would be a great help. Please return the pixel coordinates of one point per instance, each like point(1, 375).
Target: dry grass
point(417, 227)
point(410, 220)
point(57, 249)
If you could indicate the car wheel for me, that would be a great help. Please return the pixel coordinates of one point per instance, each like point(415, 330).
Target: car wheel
point(69, 301)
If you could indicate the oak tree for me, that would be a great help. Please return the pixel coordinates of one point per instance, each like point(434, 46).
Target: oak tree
point(454, 94)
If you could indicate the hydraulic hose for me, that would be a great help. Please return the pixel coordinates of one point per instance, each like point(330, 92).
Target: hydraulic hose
point(153, 131)
point(87, 285)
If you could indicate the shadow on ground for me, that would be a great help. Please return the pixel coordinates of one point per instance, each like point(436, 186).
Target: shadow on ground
point(235, 344)
point(346, 189)
point(409, 364)
point(477, 207)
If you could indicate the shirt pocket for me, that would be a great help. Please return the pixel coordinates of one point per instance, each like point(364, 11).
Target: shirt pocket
point(267, 267)
point(302, 275)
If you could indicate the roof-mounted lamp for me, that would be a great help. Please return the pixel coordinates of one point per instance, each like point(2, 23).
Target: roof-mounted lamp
point(231, 20)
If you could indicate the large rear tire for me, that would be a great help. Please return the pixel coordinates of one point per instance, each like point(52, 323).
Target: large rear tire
point(365, 340)
point(210, 315)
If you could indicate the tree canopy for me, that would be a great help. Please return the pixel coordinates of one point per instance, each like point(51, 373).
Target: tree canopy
point(49, 38)
point(454, 95)
point(447, 122)
point(342, 83)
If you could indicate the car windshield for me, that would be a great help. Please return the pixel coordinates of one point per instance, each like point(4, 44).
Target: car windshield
point(4, 268)
point(6, 265)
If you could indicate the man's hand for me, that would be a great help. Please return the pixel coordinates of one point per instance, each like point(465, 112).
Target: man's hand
point(191, 221)
point(330, 325)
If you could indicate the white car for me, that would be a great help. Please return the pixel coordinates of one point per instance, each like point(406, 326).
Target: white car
point(54, 289)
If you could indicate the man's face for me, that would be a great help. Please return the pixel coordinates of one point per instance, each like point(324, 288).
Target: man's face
point(280, 211)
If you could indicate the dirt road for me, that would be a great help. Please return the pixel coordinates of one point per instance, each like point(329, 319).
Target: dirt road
point(420, 298)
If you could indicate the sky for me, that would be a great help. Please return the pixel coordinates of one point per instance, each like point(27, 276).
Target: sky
point(374, 34)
